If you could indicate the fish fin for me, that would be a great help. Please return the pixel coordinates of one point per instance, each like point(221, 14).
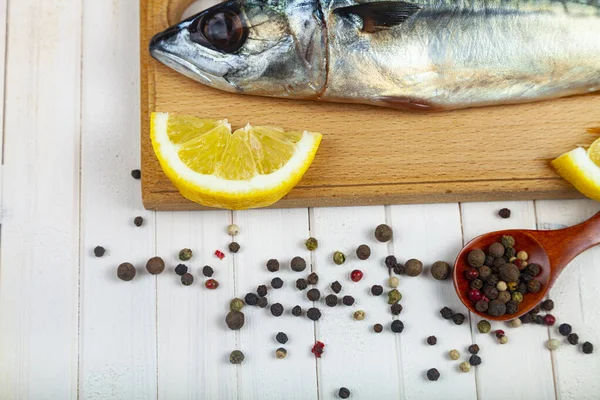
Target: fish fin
point(381, 14)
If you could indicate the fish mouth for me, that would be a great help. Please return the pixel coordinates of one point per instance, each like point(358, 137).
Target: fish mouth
point(185, 67)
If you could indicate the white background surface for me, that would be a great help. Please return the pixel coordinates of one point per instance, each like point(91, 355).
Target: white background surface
point(70, 329)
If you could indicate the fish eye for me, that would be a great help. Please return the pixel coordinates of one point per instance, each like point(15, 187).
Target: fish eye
point(222, 30)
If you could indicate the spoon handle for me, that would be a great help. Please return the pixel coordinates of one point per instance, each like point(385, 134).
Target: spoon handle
point(564, 245)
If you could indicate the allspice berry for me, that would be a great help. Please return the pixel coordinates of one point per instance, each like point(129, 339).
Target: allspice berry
point(235, 320)
point(413, 267)
point(440, 270)
point(377, 328)
point(509, 273)
point(298, 264)
point(383, 233)
point(476, 258)
point(484, 326)
point(236, 357)
point(155, 265)
point(126, 272)
point(273, 265)
point(496, 250)
point(496, 308)
point(187, 279)
point(363, 252)
point(504, 296)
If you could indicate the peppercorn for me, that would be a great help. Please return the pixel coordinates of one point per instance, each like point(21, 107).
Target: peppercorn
point(446, 313)
point(276, 309)
point(219, 254)
point(236, 357)
point(211, 284)
point(235, 320)
point(508, 241)
point(458, 318)
point(454, 354)
point(492, 280)
point(136, 174)
point(233, 229)
point(301, 284)
point(476, 258)
point(504, 213)
point(276, 283)
point(496, 308)
point(281, 353)
point(534, 269)
point(477, 283)
point(432, 340)
point(522, 255)
point(512, 286)
point(527, 318)
point(547, 305)
point(356, 275)
point(251, 299)
point(433, 374)
point(489, 260)
point(126, 272)
point(311, 243)
point(377, 328)
point(496, 250)
point(549, 319)
point(490, 292)
point(522, 287)
point(565, 329)
point(339, 258)
point(484, 273)
point(313, 279)
point(185, 254)
point(538, 319)
point(206, 271)
point(475, 295)
point(187, 279)
point(393, 282)
point(261, 291)
point(376, 290)
point(234, 247)
point(471, 274)
point(397, 326)
point(348, 300)
point(394, 296)
point(503, 339)
point(514, 323)
point(440, 270)
point(297, 311)
point(262, 302)
point(344, 393)
point(399, 269)
point(553, 344)
point(484, 326)
point(413, 267)
point(396, 309)
point(475, 360)
point(383, 233)
point(536, 309)
point(155, 265)
point(390, 262)
point(313, 313)
point(99, 251)
point(534, 286)
point(501, 286)
point(331, 300)
point(525, 277)
point(181, 269)
point(359, 315)
point(318, 349)
point(512, 307)
point(336, 287)
point(509, 273)
point(573, 338)
point(281, 338)
point(503, 297)
point(313, 294)
point(273, 265)
point(498, 262)
point(482, 306)
point(363, 252)
point(236, 304)
point(298, 264)
point(138, 221)
point(517, 297)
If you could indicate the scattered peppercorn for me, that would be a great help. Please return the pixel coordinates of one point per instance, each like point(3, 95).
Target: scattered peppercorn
point(273, 265)
point(233, 230)
point(138, 221)
point(547, 305)
point(440, 270)
point(514, 323)
point(432, 340)
point(527, 318)
point(503, 339)
point(504, 213)
point(348, 300)
point(336, 287)
point(458, 318)
point(276, 283)
point(363, 252)
point(235, 320)
point(339, 258)
point(549, 319)
point(297, 311)
point(507, 241)
point(473, 349)
point(313, 279)
point(476, 258)
point(356, 275)
point(181, 269)
point(234, 247)
point(136, 174)
point(236, 357)
point(433, 374)
point(207, 271)
point(331, 300)
point(211, 284)
point(446, 313)
point(587, 348)
point(313, 294)
point(155, 265)
point(236, 304)
point(261, 291)
point(475, 360)
point(397, 326)
point(251, 299)
point(311, 243)
point(298, 264)
point(344, 393)
point(126, 272)
point(281, 353)
point(464, 366)
point(539, 320)
point(565, 329)
point(393, 282)
point(185, 254)
point(262, 302)
point(399, 269)
point(359, 315)
point(573, 338)
point(394, 296)
point(276, 309)
point(281, 338)
point(219, 254)
point(413, 267)
point(99, 251)
point(378, 328)
point(187, 279)
point(496, 250)
point(301, 284)
point(482, 305)
point(383, 233)
point(484, 326)
point(376, 290)
point(391, 262)
point(313, 313)
point(553, 344)
point(318, 348)
point(454, 354)
point(396, 309)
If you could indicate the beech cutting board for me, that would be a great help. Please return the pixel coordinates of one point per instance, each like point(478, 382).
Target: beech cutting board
point(372, 155)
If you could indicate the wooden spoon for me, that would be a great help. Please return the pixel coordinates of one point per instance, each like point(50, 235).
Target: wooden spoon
point(553, 250)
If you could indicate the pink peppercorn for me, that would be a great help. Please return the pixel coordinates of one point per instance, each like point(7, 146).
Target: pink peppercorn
point(499, 333)
point(356, 275)
point(475, 295)
point(549, 319)
point(220, 255)
point(211, 284)
point(484, 298)
point(472, 274)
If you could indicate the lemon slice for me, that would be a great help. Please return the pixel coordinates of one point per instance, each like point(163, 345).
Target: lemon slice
point(251, 167)
point(577, 167)
point(594, 152)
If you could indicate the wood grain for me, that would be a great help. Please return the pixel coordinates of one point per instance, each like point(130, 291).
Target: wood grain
point(372, 155)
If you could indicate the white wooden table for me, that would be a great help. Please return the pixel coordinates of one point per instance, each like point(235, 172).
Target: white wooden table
point(70, 329)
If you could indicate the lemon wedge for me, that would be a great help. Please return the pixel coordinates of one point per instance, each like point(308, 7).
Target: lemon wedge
point(578, 167)
point(252, 167)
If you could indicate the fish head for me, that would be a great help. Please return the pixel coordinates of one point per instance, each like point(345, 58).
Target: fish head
point(268, 48)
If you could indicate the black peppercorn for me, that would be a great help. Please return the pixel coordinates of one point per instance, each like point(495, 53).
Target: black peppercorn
point(378, 328)
point(99, 251)
point(363, 252)
point(297, 311)
point(565, 329)
point(493, 280)
point(539, 320)
point(473, 349)
point(376, 290)
point(485, 272)
point(138, 221)
point(476, 258)
point(313, 314)
point(496, 308)
point(489, 261)
point(344, 393)
point(234, 247)
point(276, 283)
point(510, 253)
point(236, 357)
point(348, 300)
point(273, 265)
point(499, 262)
point(396, 309)
point(261, 291)
point(187, 279)
point(525, 277)
point(276, 309)
point(313, 294)
point(301, 284)
point(587, 348)
point(536, 309)
point(504, 213)
point(155, 265)
point(181, 269)
point(136, 174)
point(336, 287)
point(262, 302)
point(251, 299)
point(331, 300)
point(235, 320)
point(313, 279)
point(475, 360)
point(281, 338)
point(522, 288)
point(490, 292)
point(397, 326)
point(481, 306)
point(458, 318)
point(383, 233)
point(390, 262)
point(477, 284)
point(433, 374)
point(533, 269)
point(534, 286)
point(573, 338)
point(512, 307)
point(298, 264)
point(547, 305)
point(446, 313)
point(432, 340)
point(527, 318)
point(440, 270)
point(399, 269)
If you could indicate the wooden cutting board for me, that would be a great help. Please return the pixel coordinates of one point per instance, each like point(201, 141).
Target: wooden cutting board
point(372, 155)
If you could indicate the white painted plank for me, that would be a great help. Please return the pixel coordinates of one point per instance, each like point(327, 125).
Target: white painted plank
point(279, 234)
point(193, 340)
point(355, 356)
point(3, 37)
point(40, 230)
point(575, 296)
point(430, 233)
point(118, 319)
point(526, 366)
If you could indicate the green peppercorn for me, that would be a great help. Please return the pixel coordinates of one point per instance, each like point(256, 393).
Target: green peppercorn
point(476, 258)
point(311, 243)
point(339, 258)
point(484, 326)
point(508, 241)
point(235, 320)
point(383, 233)
point(440, 270)
point(281, 353)
point(126, 272)
point(185, 254)
point(394, 296)
point(236, 357)
point(363, 252)
point(517, 297)
point(359, 315)
point(454, 354)
point(413, 267)
point(236, 304)
point(155, 265)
